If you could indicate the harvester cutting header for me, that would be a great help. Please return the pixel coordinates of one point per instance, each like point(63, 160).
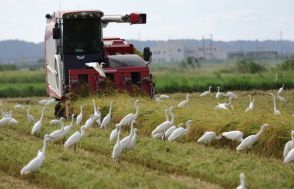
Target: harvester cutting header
point(77, 54)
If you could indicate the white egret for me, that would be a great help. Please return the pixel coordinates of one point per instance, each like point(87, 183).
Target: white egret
point(184, 102)
point(169, 131)
point(91, 121)
point(98, 67)
point(80, 116)
point(280, 98)
point(165, 125)
point(158, 135)
point(107, 118)
point(52, 101)
point(231, 95)
point(43, 101)
point(130, 117)
point(161, 97)
point(125, 121)
point(250, 140)
point(19, 106)
point(219, 94)
point(67, 128)
point(281, 89)
point(289, 145)
point(35, 163)
point(206, 92)
point(134, 139)
point(224, 106)
point(180, 131)
point(30, 118)
point(113, 133)
point(276, 111)
point(55, 122)
point(57, 134)
point(37, 126)
point(75, 138)
point(97, 113)
point(233, 135)
point(4, 121)
point(251, 104)
point(126, 142)
point(117, 148)
point(164, 96)
point(208, 137)
point(13, 121)
point(242, 181)
point(289, 157)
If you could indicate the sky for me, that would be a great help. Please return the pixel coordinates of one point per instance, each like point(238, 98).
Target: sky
point(224, 20)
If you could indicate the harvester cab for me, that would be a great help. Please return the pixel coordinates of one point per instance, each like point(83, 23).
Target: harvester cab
point(74, 44)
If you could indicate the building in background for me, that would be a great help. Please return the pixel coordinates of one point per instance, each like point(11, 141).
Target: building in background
point(178, 51)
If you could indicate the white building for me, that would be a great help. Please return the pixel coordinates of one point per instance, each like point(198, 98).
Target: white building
point(177, 51)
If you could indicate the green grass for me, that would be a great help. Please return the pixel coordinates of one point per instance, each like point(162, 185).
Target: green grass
point(168, 79)
point(156, 163)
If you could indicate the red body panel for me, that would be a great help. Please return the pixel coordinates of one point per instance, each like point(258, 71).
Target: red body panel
point(122, 79)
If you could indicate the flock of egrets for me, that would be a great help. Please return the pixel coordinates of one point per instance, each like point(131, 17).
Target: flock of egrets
point(166, 130)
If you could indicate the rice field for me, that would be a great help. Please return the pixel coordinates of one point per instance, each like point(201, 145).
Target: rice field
point(155, 163)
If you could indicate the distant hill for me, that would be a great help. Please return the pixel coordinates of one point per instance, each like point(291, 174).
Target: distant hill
point(15, 51)
point(231, 46)
point(18, 52)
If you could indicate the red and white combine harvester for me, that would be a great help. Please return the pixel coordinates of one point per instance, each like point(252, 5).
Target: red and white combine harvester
point(76, 55)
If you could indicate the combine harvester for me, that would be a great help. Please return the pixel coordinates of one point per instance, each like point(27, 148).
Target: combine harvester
point(78, 57)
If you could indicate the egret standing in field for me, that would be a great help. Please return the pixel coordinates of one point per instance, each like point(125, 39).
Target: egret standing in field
point(91, 121)
point(224, 106)
point(107, 118)
point(242, 181)
point(126, 120)
point(75, 138)
point(251, 104)
point(134, 139)
point(80, 116)
point(51, 101)
point(117, 148)
point(170, 130)
point(231, 95)
point(289, 157)
point(43, 101)
point(97, 113)
point(233, 135)
point(165, 125)
point(219, 94)
point(125, 143)
point(180, 131)
point(57, 134)
point(206, 93)
point(19, 106)
point(35, 163)
point(37, 126)
point(67, 128)
point(208, 136)
point(289, 145)
point(55, 122)
point(276, 111)
point(12, 121)
point(250, 140)
point(30, 118)
point(184, 102)
point(130, 117)
point(281, 89)
point(161, 97)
